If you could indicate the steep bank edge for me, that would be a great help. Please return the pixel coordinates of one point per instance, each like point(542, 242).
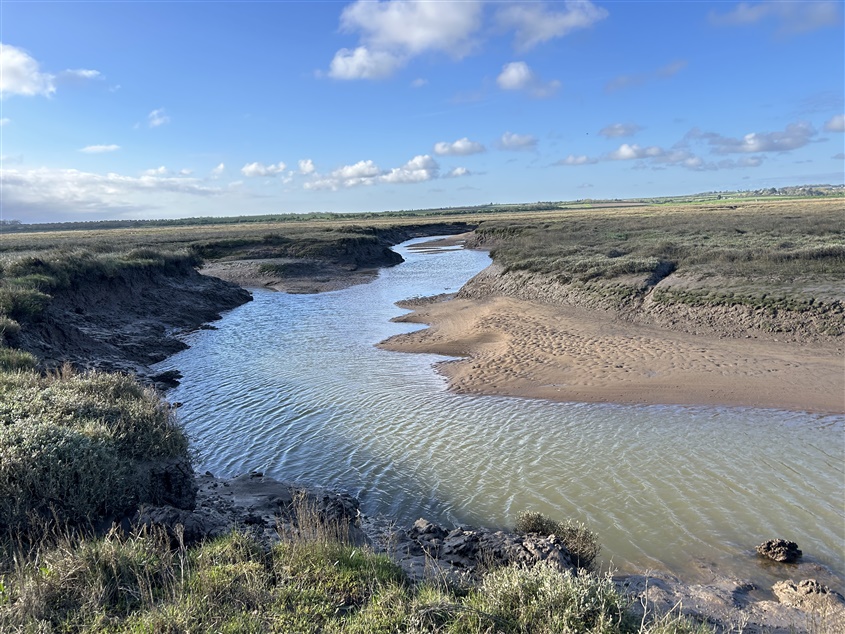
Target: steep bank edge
point(126, 322)
point(736, 321)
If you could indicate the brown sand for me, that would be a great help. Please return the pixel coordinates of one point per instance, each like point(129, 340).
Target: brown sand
point(528, 349)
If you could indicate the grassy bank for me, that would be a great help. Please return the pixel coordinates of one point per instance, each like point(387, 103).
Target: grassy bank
point(73, 446)
point(785, 255)
point(309, 582)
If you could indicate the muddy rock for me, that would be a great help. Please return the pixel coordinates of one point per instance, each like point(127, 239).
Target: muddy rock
point(463, 553)
point(780, 550)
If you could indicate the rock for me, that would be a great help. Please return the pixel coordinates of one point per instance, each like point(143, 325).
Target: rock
point(167, 379)
point(427, 549)
point(780, 550)
point(807, 595)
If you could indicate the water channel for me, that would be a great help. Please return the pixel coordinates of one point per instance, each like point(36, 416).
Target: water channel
point(294, 386)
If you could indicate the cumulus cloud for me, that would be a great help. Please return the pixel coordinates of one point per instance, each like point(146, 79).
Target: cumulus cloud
point(790, 16)
point(627, 152)
point(156, 171)
point(518, 76)
point(251, 170)
point(582, 159)
point(99, 149)
point(217, 172)
point(622, 82)
point(419, 169)
point(461, 147)
point(306, 166)
point(616, 130)
point(534, 23)
point(513, 141)
point(20, 74)
point(836, 123)
point(362, 63)
point(794, 136)
point(157, 118)
point(457, 172)
point(393, 32)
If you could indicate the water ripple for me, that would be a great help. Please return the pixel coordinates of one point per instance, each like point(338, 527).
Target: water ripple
point(293, 385)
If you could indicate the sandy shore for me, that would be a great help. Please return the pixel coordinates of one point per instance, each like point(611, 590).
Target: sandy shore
point(528, 349)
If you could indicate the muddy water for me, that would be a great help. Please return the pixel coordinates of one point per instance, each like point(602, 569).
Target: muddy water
point(292, 385)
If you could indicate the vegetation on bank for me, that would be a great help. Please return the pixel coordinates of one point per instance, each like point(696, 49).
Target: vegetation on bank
point(312, 581)
point(767, 256)
point(71, 445)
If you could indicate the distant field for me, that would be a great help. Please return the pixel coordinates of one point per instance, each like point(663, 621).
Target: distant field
point(789, 248)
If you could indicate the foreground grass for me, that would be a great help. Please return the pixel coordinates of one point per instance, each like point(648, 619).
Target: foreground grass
point(138, 583)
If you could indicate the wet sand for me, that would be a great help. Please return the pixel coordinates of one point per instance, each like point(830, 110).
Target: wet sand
point(527, 349)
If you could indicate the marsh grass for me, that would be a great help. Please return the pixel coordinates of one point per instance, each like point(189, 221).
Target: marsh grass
point(140, 582)
point(71, 443)
point(580, 541)
point(759, 246)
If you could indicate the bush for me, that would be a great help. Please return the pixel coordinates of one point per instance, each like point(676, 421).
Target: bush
point(15, 360)
point(542, 600)
point(580, 541)
point(70, 444)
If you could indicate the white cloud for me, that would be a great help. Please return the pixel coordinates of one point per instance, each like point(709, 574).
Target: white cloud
point(5, 121)
point(360, 173)
point(157, 171)
point(363, 63)
point(99, 149)
point(306, 166)
point(83, 73)
point(621, 82)
point(418, 169)
point(627, 152)
point(20, 74)
point(415, 26)
point(513, 141)
point(836, 123)
point(616, 130)
point(515, 76)
point(217, 172)
point(157, 118)
point(577, 160)
point(461, 147)
point(394, 31)
point(457, 172)
point(44, 193)
point(534, 24)
point(419, 82)
point(251, 170)
point(791, 16)
point(794, 136)
point(519, 76)
point(185, 172)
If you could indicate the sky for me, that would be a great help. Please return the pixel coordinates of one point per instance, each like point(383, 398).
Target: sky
point(112, 110)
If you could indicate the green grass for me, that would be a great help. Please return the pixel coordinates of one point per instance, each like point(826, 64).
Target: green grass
point(70, 444)
point(141, 583)
point(580, 541)
point(749, 252)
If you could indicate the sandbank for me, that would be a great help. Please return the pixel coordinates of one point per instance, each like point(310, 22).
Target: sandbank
point(528, 349)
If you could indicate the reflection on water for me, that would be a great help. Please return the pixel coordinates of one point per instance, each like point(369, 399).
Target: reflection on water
point(292, 385)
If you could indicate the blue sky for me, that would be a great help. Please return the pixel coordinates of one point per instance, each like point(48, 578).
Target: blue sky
point(169, 109)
